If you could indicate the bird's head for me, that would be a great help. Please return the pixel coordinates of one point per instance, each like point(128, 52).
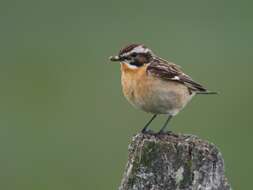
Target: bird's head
point(134, 55)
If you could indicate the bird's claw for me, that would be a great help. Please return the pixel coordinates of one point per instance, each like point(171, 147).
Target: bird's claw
point(147, 131)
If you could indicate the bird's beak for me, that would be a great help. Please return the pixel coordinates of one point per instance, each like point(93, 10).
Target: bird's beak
point(114, 58)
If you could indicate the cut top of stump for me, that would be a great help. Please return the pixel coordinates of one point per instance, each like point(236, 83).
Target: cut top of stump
point(173, 162)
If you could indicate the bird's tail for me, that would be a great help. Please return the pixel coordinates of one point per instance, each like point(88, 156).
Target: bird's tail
point(207, 92)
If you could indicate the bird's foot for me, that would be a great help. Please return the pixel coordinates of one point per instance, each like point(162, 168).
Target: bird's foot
point(162, 132)
point(147, 131)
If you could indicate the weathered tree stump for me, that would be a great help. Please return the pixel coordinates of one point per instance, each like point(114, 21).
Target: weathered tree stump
point(173, 162)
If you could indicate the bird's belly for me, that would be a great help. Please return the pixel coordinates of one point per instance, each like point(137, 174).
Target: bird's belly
point(158, 97)
point(163, 101)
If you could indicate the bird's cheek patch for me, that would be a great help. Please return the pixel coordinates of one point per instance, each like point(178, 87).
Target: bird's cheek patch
point(141, 59)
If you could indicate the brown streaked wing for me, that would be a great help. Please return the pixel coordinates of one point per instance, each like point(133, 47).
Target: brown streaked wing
point(169, 71)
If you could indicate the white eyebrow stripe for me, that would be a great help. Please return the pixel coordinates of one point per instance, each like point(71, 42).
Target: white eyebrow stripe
point(139, 49)
point(126, 54)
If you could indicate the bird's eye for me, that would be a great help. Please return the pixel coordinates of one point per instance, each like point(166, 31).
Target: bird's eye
point(134, 54)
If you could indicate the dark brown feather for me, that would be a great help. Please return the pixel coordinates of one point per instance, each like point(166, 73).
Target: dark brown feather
point(128, 48)
point(168, 71)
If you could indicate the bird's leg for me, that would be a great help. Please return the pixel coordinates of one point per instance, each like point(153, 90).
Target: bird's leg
point(162, 130)
point(144, 130)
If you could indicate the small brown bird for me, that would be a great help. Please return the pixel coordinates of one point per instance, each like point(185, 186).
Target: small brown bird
point(153, 84)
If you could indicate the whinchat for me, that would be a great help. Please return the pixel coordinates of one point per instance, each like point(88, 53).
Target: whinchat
point(153, 84)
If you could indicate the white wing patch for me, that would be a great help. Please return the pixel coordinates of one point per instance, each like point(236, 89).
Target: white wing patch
point(176, 78)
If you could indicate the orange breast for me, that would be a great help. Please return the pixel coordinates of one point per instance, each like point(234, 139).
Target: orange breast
point(151, 94)
point(136, 84)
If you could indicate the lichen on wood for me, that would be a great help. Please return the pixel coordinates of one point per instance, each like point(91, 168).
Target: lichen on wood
point(173, 162)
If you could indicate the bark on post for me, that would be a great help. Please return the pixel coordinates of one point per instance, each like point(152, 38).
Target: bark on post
point(173, 162)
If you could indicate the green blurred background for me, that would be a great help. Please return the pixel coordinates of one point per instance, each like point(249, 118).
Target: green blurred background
point(64, 123)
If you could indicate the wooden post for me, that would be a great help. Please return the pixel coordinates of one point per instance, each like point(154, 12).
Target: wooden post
point(173, 162)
